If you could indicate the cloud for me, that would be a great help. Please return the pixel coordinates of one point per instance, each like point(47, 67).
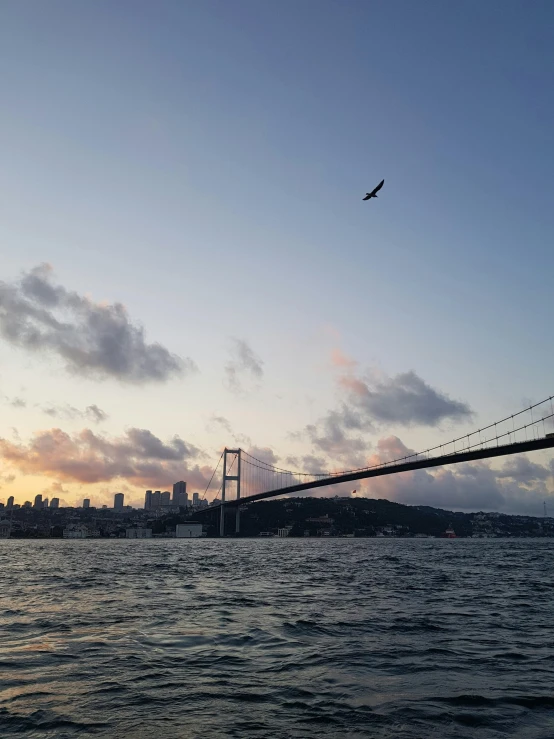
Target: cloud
point(523, 470)
point(15, 402)
point(263, 454)
point(243, 363)
point(139, 457)
point(369, 403)
point(18, 403)
point(91, 413)
point(218, 423)
point(94, 413)
point(7, 479)
point(308, 463)
point(94, 340)
point(55, 489)
point(404, 399)
point(332, 436)
point(338, 359)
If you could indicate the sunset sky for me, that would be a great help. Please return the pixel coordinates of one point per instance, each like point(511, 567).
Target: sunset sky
point(187, 262)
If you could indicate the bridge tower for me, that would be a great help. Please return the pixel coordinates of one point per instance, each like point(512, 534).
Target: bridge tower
point(227, 477)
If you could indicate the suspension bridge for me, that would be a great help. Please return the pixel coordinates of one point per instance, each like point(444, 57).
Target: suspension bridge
point(254, 479)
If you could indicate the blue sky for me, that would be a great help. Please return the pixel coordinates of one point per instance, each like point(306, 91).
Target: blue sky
point(204, 164)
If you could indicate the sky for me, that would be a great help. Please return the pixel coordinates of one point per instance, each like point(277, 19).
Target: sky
point(187, 262)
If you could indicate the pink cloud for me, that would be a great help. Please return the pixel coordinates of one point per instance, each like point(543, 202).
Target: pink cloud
point(338, 359)
point(138, 456)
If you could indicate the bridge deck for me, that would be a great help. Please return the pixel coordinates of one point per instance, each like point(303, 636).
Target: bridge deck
point(393, 469)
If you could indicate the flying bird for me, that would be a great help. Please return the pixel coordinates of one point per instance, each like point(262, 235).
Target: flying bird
point(373, 193)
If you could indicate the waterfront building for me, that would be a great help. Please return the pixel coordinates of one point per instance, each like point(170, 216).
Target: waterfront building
point(139, 533)
point(188, 530)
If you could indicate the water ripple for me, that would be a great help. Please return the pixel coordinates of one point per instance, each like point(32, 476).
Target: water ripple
point(280, 639)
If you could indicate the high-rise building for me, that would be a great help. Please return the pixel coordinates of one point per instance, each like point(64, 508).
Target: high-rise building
point(148, 500)
point(118, 499)
point(166, 498)
point(180, 496)
point(86, 503)
point(38, 501)
point(156, 499)
point(10, 501)
point(195, 498)
point(45, 503)
point(27, 504)
point(55, 503)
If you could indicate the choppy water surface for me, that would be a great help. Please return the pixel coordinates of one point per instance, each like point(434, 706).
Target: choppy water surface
point(277, 638)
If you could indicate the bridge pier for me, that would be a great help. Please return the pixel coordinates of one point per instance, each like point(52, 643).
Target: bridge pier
point(227, 478)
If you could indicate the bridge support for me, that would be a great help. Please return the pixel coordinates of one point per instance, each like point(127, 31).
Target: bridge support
point(228, 478)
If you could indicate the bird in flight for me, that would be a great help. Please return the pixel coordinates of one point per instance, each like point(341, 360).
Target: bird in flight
point(373, 193)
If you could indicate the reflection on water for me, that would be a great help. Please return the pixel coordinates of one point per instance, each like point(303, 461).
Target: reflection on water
point(277, 638)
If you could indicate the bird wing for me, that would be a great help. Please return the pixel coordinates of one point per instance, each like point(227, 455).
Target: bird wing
point(367, 197)
point(379, 186)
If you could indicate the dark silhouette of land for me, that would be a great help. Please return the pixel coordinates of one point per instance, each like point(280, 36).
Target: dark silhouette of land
point(299, 517)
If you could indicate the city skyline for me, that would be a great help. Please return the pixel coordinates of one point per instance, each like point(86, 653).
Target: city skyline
point(200, 271)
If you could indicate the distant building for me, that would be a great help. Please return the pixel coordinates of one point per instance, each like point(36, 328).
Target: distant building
point(166, 498)
point(156, 499)
point(188, 530)
point(148, 500)
point(27, 504)
point(38, 501)
point(55, 503)
point(195, 498)
point(5, 528)
point(45, 503)
point(118, 501)
point(284, 532)
point(10, 501)
point(180, 495)
point(139, 533)
point(86, 503)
